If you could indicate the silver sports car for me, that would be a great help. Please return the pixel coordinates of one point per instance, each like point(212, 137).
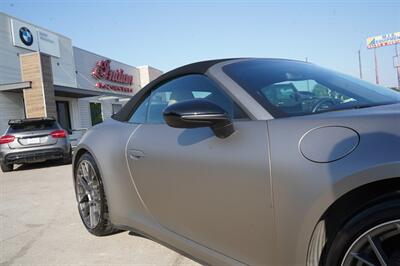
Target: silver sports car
point(250, 161)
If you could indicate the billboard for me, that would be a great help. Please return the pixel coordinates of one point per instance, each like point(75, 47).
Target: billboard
point(383, 40)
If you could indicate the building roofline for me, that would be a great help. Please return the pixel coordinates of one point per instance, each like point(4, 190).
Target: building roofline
point(148, 66)
point(99, 55)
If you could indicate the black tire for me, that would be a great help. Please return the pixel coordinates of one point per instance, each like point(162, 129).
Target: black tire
point(359, 225)
point(6, 167)
point(104, 226)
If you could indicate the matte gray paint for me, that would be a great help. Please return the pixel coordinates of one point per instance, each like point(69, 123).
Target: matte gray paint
point(210, 190)
point(303, 190)
point(333, 142)
point(198, 186)
point(125, 206)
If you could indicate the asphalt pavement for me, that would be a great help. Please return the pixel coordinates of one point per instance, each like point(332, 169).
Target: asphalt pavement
point(40, 225)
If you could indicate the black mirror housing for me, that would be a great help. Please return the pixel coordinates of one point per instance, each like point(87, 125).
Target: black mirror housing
point(199, 113)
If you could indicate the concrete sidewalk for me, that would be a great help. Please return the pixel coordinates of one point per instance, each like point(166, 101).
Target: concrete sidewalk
point(40, 225)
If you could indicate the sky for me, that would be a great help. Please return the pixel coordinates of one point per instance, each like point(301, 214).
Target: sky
point(168, 34)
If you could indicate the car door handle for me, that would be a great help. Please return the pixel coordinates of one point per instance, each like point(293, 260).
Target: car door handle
point(135, 154)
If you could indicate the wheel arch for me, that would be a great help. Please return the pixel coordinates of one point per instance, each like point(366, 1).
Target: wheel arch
point(344, 208)
point(80, 151)
point(78, 155)
point(359, 199)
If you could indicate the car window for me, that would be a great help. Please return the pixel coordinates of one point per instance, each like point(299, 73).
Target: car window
point(139, 116)
point(291, 88)
point(181, 89)
point(33, 126)
point(301, 96)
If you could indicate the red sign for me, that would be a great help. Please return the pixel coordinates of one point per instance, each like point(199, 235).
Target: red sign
point(105, 86)
point(102, 70)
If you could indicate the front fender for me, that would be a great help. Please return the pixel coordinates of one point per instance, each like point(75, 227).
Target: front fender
point(106, 142)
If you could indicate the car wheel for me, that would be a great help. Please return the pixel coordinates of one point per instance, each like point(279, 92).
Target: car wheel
point(91, 199)
point(370, 238)
point(6, 167)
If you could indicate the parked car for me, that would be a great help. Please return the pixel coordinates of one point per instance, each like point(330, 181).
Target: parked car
point(250, 161)
point(33, 140)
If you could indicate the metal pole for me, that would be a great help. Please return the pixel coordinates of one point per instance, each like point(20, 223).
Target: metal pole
point(398, 66)
point(308, 82)
point(376, 67)
point(359, 63)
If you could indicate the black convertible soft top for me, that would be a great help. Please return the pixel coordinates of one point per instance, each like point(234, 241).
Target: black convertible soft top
point(195, 68)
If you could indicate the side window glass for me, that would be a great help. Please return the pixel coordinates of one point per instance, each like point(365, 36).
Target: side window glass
point(188, 88)
point(140, 114)
point(301, 96)
point(159, 100)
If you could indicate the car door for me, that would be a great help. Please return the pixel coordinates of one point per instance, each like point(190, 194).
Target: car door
point(215, 192)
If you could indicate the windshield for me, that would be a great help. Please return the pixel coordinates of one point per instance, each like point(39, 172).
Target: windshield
point(292, 88)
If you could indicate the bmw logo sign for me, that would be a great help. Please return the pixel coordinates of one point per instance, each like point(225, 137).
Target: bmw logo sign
point(26, 36)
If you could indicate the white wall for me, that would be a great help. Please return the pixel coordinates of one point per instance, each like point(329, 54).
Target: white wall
point(9, 60)
point(106, 108)
point(11, 107)
point(64, 67)
point(148, 74)
point(84, 109)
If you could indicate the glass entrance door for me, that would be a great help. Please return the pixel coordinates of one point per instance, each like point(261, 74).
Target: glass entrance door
point(63, 114)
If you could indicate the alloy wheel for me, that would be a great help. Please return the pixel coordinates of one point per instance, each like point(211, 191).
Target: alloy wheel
point(378, 246)
point(88, 194)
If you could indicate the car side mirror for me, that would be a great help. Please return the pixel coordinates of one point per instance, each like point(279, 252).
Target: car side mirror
point(199, 113)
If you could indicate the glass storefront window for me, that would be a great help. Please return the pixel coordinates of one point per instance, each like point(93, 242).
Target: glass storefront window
point(96, 113)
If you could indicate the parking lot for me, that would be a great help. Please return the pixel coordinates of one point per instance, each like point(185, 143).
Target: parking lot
point(40, 225)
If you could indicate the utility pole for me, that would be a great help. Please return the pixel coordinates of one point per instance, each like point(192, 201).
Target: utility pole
point(376, 67)
point(397, 65)
point(359, 63)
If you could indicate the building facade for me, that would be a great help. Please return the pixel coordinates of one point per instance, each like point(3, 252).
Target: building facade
point(43, 74)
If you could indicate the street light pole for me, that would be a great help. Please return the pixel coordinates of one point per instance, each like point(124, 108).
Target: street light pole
point(398, 66)
point(308, 82)
point(359, 63)
point(376, 67)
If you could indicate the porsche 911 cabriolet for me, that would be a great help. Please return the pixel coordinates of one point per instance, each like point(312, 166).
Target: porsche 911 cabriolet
point(250, 162)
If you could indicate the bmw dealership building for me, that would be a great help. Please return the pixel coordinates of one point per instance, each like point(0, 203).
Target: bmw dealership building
point(42, 74)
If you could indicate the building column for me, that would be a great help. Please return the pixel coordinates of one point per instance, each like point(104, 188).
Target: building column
point(39, 99)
